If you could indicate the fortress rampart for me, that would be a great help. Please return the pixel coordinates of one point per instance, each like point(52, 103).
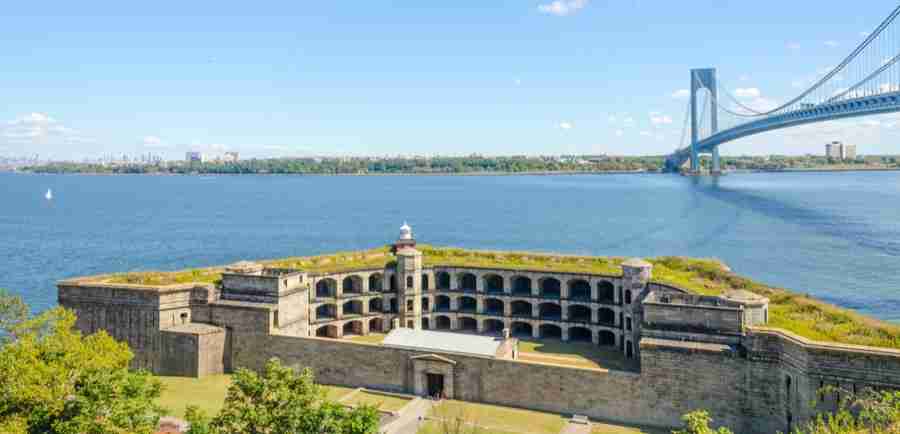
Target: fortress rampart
point(687, 351)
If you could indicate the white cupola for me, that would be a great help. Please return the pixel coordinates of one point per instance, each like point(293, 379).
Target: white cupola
point(405, 232)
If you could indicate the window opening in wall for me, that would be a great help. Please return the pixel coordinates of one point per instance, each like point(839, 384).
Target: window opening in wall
point(184, 317)
point(627, 323)
point(409, 282)
point(628, 297)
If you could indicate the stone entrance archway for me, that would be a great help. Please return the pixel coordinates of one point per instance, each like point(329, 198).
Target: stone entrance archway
point(432, 374)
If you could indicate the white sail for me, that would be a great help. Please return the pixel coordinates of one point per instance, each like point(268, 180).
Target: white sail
point(49, 194)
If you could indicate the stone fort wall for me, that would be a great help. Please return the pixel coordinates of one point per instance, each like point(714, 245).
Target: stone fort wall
point(760, 381)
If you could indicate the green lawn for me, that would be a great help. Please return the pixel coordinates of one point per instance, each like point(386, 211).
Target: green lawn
point(497, 419)
point(208, 393)
point(381, 401)
point(579, 354)
point(371, 338)
point(602, 428)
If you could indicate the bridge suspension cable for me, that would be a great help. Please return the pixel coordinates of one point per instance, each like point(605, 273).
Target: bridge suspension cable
point(840, 67)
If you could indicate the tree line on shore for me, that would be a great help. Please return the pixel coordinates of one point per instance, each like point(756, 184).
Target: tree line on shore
point(455, 165)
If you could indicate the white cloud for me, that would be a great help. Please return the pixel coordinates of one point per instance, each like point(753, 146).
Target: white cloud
point(645, 133)
point(629, 121)
point(831, 44)
point(660, 119)
point(566, 125)
point(154, 142)
point(563, 8)
point(39, 128)
point(611, 118)
point(747, 92)
point(744, 77)
point(517, 81)
point(620, 133)
point(870, 123)
point(681, 93)
point(793, 45)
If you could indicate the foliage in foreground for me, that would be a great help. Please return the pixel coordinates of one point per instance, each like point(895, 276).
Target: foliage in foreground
point(281, 401)
point(870, 412)
point(54, 380)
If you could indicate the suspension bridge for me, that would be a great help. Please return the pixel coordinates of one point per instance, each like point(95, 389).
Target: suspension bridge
point(866, 82)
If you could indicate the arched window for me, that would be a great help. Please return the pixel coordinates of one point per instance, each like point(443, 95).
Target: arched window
point(628, 297)
point(409, 282)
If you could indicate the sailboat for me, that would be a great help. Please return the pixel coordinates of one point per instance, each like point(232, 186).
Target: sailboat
point(49, 194)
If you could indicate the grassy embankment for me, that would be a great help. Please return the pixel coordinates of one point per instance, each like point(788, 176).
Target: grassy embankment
point(788, 310)
point(208, 393)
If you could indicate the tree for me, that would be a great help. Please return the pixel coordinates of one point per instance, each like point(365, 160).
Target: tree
point(869, 412)
point(13, 311)
point(697, 422)
point(55, 380)
point(281, 401)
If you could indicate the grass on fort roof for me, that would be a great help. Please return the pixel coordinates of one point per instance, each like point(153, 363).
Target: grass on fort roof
point(791, 311)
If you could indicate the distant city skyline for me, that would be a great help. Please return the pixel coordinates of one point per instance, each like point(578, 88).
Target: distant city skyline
point(344, 79)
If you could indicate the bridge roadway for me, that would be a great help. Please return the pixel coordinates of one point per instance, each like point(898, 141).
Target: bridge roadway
point(882, 103)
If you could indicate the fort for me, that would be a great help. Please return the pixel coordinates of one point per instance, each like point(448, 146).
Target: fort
point(454, 328)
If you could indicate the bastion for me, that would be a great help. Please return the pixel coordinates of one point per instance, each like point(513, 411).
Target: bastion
point(683, 350)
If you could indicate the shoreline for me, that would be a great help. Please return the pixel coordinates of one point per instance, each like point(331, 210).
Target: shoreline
point(527, 173)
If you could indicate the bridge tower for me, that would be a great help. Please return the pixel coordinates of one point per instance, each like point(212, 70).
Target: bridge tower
point(704, 78)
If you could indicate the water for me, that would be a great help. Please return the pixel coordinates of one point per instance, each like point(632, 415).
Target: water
point(833, 235)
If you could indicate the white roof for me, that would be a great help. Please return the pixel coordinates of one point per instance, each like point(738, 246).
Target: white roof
point(450, 342)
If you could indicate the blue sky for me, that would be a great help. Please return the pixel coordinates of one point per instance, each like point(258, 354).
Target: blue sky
point(372, 77)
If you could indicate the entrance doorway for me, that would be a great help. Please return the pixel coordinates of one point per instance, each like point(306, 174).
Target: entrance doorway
point(435, 385)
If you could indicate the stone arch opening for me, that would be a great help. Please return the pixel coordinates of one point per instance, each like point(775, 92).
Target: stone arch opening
point(629, 350)
point(467, 304)
point(353, 307)
point(376, 325)
point(468, 282)
point(580, 334)
point(443, 279)
point(493, 326)
point(579, 313)
point(393, 305)
point(442, 322)
point(409, 305)
point(606, 292)
point(442, 303)
point(352, 285)
point(326, 311)
point(327, 331)
point(425, 282)
point(550, 311)
point(326, 288)
point(522, 329)
point(376, 305)
point(353, 328)
point(606, 316)
point(425, 323)
point(376, 282)
point(426, 305)
point(410, 282)
point(521, 308)
point(550, 331)
point(493, 284)
point(521, 286)
point(467, 324)
point(550, 287)
point(393, 283)
point(493, 306)
point(579, 289)
point(628, 296)
point(607, 338)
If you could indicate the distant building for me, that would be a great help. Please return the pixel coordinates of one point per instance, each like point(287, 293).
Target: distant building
point(840, 151)
point(231, 157)
point(195, 157)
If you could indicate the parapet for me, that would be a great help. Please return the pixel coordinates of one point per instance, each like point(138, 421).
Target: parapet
point(249, 281)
